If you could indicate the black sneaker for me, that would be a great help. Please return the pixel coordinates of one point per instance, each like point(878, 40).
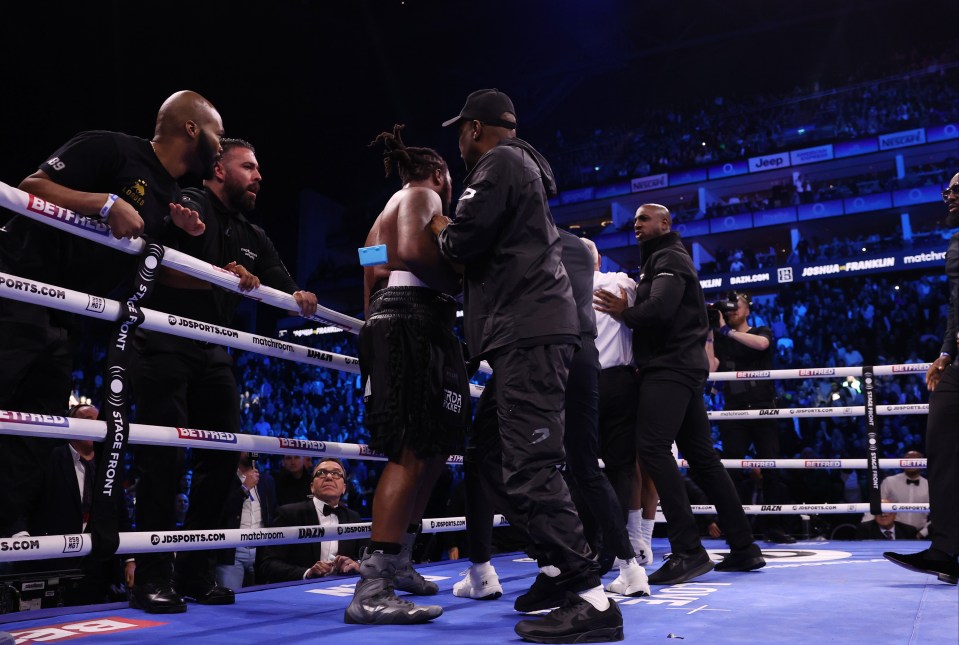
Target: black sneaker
point(928, 561)
point(680, 568)
point(748, 559)
point(544, 594)
point(576, 621)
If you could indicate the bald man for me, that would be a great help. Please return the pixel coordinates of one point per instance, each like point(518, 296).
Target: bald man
point(670, 326)
point(127, 182)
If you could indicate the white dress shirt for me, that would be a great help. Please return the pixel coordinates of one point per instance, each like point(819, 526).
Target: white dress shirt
point(614, 340)
point(329, 548)
point(895, 488)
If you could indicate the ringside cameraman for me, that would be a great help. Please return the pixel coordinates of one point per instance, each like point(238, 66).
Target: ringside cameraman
point(739, 347)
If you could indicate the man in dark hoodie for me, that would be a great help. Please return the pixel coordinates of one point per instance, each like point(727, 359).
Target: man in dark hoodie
point(521, 317)
point(670, 326)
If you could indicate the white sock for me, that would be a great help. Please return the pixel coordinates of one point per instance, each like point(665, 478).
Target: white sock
point(634, 527)
point(647, 531)
point(550, 570)
point(596, 597)
point(481, 569)
point(625, 565)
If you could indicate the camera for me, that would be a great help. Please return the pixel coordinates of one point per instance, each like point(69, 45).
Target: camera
point(726, 306)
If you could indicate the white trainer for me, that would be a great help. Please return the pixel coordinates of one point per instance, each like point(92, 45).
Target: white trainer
point(644, 554)
point(630, 582)
point(485, 587)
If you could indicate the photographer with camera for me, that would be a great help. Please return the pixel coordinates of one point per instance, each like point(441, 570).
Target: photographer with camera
point(738, 347)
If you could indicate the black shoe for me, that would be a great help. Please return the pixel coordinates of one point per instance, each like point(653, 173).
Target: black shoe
point(928, 561)
point(576, 621)
point(680, 568)
point(778, 536)
point(544, 594)
point(748, 559)
point(156, 599)
point(207, 594)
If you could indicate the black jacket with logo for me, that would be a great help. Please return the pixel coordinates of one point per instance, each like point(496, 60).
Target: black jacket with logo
point(516, 289)
point(669, 319)
point(228, 237)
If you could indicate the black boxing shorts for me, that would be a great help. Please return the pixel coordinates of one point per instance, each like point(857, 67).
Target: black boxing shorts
point(416, 391)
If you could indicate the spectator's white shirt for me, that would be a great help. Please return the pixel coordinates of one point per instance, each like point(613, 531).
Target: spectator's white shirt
point(614, 340)
point(896, 489)
point(328, 549)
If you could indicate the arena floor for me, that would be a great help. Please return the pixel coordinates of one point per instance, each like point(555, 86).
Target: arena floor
point(811, 592)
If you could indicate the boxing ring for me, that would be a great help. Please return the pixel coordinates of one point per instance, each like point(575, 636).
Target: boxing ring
point(708, 607)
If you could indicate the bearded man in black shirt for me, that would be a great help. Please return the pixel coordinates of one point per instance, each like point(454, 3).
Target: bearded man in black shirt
point(186, 383)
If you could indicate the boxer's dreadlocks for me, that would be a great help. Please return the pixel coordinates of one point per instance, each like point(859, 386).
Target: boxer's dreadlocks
point(412, 164)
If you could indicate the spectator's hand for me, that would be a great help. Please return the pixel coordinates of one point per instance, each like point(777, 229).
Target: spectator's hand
point(185, 218)
point(248, 281)
point(343, 565)
point(129, 569)
point(438, 223)
point(307, 302)
point(252, 478)
point(607, 303)
point(934, 373)
point(320, 569)
point(124, 220)
point(713, 530)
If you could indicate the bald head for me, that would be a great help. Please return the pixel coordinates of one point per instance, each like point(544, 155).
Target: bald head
point(187, 135)
point(181, 107)
point(660, 211)
point(652, 221)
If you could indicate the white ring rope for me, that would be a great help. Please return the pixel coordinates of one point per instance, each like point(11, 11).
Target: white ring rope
point(56, 427)
point(66, 220)
point(79, 544)
point(75, 545)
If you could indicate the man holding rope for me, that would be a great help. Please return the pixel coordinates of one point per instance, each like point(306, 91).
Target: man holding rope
point(181, 382)
point(125, 181)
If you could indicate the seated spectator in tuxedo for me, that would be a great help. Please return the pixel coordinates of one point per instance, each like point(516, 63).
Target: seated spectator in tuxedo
point(293, 480)
point(250, 504)
point(67, 501)
point(909, 487)
point(885, 527)
point(306, 560)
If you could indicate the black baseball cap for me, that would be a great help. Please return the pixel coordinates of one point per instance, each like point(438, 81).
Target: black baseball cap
point(486, 106)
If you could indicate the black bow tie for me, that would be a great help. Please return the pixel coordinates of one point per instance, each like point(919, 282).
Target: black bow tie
point(339, 511)
point(912, 482)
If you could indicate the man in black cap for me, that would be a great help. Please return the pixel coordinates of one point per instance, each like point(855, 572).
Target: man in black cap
point(521, 317)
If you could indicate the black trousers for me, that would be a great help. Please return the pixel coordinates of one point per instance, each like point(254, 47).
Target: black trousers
point(36, 366)
point(617, 429)
point(512, 463)
point(592, 492)
point(942, 452)
point(673, 410)
point(191, 388)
